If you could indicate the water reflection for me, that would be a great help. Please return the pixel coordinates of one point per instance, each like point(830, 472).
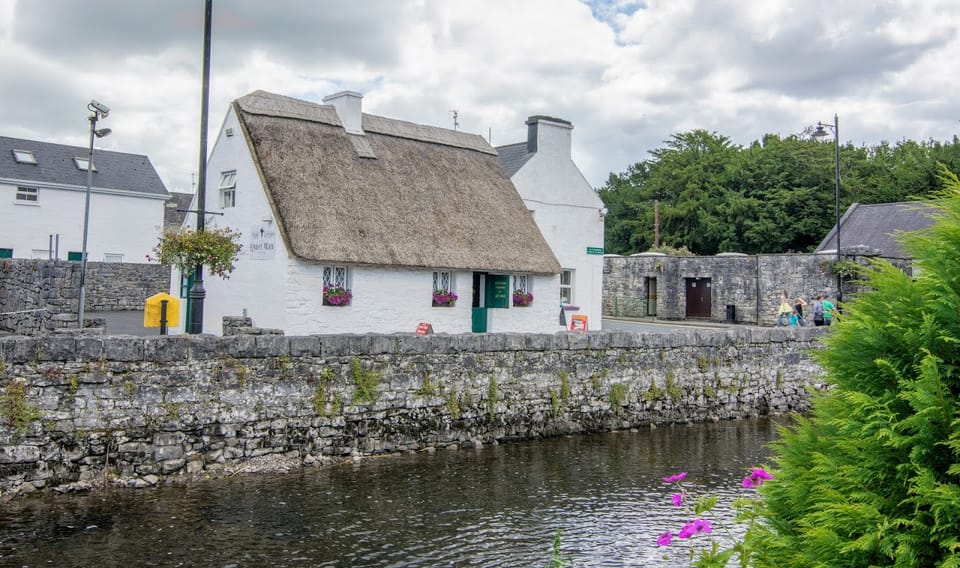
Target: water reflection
point(495, 506)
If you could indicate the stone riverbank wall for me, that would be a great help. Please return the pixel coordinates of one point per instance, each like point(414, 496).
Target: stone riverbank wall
point(78, 410)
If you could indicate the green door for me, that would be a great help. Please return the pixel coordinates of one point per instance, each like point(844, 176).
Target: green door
point(479, 320)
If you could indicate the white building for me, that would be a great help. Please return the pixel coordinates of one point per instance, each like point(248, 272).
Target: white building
point(567, 210)
point(42, 196)
point(393, 211)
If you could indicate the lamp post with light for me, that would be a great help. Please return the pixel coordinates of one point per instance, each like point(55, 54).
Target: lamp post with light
point(820, 132)
point(97, 111)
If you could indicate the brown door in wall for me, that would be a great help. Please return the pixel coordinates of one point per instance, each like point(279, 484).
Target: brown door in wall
point(698, 298)
point(651, 297)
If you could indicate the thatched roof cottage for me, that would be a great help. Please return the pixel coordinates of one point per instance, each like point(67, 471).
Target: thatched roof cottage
point(403, 216)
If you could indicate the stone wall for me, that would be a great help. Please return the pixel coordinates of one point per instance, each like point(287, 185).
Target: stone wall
point(123, 286)
point(751, 284)
point(78, 409)
point(40, 296)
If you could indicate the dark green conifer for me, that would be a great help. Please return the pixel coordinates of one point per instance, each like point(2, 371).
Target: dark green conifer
point(872, 477)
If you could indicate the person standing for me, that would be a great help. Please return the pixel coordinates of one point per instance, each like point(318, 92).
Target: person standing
point(828, 311)
point(784, 311)
point(798, 305)
point(818, 318)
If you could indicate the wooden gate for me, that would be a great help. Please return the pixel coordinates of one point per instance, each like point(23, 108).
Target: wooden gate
point(698, 298)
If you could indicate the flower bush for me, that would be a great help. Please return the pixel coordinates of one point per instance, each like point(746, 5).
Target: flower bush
point(522, 298)
point(336, 296)
point(217, 249)
point(444, 298)
point(747, 509)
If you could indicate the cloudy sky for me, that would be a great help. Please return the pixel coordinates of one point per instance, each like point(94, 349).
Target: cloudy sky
point(627, 73)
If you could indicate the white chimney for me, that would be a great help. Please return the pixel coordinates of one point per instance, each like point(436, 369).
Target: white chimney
point(548, 135)
point(348, 106)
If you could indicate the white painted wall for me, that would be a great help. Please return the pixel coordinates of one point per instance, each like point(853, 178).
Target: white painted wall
point(287, 293)
point(120, 223)
point(257, 284)
point(568, 212)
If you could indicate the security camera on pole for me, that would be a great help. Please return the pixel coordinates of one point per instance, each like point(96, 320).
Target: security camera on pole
point(97, 111)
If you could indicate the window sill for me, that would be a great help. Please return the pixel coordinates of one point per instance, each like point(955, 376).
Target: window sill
point(26, 203)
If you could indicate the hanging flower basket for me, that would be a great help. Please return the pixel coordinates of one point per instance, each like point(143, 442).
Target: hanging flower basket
point(217, 249)
point(444, 299)
point(522, 298)
point(336, 296)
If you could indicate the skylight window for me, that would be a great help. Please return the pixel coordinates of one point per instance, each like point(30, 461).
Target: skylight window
point(24, 157)
point(83, 163)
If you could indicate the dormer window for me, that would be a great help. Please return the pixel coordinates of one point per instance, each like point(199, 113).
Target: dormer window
point(24, 157)
point(83, 164)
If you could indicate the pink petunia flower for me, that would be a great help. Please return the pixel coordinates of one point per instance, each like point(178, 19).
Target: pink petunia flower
point(675, 478)
point(677, 499)
point(664, 539)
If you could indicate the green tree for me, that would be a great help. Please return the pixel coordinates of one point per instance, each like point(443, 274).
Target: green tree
point(872, 477)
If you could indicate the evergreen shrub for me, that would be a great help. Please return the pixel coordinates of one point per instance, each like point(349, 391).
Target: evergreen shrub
point(872, 476)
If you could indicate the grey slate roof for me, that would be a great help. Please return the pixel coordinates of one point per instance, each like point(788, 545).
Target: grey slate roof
point(513, 157)
point(55, 165)
point(874, 226)
point(176, 210)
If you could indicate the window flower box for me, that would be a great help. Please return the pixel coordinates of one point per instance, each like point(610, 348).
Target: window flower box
point(522, 298)
point(336, 296)
point(444, 299)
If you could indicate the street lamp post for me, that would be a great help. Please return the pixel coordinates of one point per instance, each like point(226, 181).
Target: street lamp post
point(820, 132)
point(97, 112)
point(197, 293)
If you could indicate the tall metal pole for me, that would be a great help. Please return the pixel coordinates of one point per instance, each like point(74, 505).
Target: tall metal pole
point(86, 220)
point(836, 144)
point(197, 293)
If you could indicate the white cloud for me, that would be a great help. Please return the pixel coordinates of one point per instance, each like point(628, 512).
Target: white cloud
point(628, 74)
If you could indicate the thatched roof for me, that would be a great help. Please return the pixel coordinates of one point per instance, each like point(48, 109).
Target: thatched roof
point(402, 194)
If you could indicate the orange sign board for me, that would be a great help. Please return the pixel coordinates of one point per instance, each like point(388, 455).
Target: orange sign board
point(578, 323)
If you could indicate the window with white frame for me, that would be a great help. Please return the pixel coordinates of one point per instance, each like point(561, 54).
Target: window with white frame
point(443, 294)
point(228, 189)
point(522, 293)
point(566, 286)
point(112, 257)
point(28, 195)
point(24, 157)
point(83, 164)
point(336, 286)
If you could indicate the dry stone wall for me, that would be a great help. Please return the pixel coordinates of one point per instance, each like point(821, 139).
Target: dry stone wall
point(750, 285)
point(82, 409)
point(41, 296)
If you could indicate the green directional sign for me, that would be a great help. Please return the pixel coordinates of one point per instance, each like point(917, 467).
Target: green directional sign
point(594, 250)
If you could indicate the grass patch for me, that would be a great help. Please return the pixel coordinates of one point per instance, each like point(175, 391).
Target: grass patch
point(366, 382)
point(16, 410)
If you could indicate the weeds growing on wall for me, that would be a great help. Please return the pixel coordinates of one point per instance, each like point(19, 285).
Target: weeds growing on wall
point(17, 412)
point(365, 382)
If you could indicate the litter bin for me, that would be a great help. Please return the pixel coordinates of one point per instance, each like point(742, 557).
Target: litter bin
point(731, 313)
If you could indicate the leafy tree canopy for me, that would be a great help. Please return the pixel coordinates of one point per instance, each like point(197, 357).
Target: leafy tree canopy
point(775, 195)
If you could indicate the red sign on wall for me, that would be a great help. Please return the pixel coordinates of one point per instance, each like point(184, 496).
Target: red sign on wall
point(424, 328)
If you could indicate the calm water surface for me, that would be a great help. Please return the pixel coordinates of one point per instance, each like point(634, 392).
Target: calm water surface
point(492, 506)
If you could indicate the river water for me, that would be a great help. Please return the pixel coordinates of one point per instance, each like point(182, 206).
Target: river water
point(491, 506)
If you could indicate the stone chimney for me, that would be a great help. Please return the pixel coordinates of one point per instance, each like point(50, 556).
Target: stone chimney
point(549, 135)
point(348, 105)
